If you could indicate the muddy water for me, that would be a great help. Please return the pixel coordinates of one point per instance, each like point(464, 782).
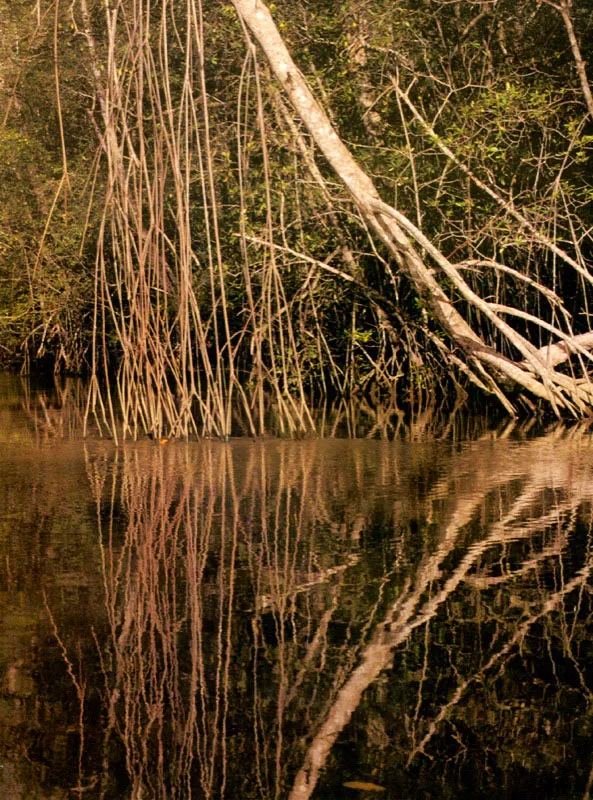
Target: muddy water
point(275, 619)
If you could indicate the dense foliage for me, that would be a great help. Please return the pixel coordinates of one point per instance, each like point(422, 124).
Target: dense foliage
point(164, 216)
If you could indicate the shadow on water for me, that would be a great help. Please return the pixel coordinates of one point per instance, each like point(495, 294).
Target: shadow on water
point(275, 619)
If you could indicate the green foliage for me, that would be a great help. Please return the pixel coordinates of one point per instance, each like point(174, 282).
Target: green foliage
point(497, 83)
point(45, 271)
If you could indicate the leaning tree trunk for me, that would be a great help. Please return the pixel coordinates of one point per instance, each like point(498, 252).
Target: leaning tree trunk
point(535, 373)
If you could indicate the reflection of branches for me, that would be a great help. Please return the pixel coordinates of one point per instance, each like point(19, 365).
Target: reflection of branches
point(256, 553)
point(539, 472)
point(80, 685)
point(554, 599)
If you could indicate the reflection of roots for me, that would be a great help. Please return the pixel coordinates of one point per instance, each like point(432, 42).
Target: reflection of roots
point(217, 535)
point(173, 589)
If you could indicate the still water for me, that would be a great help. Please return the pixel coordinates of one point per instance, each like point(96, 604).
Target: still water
point(279, 619)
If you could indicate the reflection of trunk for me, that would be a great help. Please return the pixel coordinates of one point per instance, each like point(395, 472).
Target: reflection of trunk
point(411, 610)
point(532, 373)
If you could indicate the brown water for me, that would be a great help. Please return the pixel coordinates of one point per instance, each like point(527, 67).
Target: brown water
point(276, 619)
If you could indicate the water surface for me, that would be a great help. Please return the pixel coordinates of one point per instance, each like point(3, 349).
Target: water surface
point(273, 619)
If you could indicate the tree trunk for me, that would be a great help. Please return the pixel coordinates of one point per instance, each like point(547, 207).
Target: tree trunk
point(535, 372)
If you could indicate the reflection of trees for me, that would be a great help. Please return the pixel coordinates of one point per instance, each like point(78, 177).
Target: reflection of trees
point(215, 535)
point(47, 548)
point(538, 489)
point(57, 412)
point(257, 592)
